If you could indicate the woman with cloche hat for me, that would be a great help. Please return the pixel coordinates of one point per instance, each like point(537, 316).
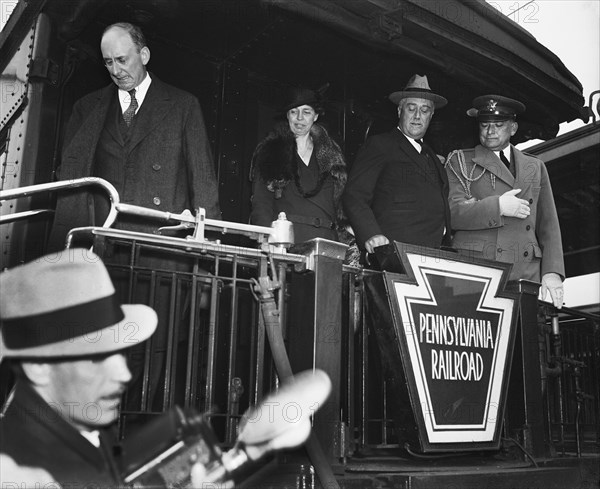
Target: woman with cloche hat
point(300, 170)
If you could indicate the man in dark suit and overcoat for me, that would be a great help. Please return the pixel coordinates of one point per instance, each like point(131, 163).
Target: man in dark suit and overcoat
point(397, 188)
point(145, 137)
point(149, 140)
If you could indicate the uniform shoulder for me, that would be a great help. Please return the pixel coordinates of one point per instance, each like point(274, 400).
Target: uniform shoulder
point(530, 155)
point(454, 155)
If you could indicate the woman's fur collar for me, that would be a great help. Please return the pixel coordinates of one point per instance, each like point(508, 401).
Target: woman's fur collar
point(274, 158)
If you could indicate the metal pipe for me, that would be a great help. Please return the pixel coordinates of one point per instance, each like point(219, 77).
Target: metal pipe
point(18, 216)
point(276, 238)
point(20, 192)
point(559, 381)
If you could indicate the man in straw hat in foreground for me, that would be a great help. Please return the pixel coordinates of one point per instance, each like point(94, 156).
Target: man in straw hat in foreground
point(65, 334)
point(501, 200)
point(397, 188)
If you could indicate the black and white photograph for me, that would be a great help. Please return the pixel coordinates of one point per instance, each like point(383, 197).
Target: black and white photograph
point(300, 244)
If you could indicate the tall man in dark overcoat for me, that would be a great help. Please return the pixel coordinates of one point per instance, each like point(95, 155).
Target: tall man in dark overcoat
point(397, 188)
point(501, 200)
point(149, 140)
point(151, 144)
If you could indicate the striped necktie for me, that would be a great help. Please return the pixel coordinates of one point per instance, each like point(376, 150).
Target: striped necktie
point(130, 112)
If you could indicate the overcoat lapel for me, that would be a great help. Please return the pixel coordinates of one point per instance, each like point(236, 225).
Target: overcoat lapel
point(156, 106)
point(441, 172)
point(519, 162)
point(412, 154)
point(113, 119)
point(487, 159)
point(28, 400)
point(90, 130)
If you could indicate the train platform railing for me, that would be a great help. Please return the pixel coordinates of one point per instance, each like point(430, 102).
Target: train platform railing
point(570, 360)
point(554, 405)
point(210, 352)
point(213, 353)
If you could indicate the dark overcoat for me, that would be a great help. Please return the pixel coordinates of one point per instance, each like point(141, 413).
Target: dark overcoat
point(533, 245)
point(390, 191)
point(35, 435)
point(168, 164)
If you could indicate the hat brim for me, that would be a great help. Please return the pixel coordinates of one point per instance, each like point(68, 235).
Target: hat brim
point(313, 102)
point(473, 112)
point(438, 100)
point(137, 326)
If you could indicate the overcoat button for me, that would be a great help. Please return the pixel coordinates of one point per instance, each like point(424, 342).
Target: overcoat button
point(156, 201)
point(528, 227)
point(156, 167)
point(526, 253)
point(531, 201)
point(499, 250)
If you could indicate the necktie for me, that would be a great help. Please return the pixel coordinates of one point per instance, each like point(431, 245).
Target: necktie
point(504, 160)
point(130, 112)
point(420, 141)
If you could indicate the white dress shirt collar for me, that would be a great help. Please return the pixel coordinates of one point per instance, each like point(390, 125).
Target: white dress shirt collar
point(506, 152)
point(140, 94)
point(412, 141)
point(92, 436)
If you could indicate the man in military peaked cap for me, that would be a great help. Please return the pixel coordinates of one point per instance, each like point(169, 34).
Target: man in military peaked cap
point(397, 188)
point(501, 200)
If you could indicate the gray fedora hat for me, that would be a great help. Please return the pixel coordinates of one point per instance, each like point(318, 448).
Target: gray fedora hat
point(64, 305)
point(418, 87)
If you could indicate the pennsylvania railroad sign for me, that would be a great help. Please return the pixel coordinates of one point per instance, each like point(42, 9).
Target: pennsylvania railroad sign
point(455, 327)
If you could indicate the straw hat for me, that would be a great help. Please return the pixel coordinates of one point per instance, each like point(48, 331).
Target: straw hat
point(418, 87)
point(64, 305)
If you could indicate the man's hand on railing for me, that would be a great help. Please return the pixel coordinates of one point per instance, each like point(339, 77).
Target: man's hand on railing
point(375, 241)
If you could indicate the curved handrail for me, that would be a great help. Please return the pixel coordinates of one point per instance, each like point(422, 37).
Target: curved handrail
point(61, 185)
point(281, 235)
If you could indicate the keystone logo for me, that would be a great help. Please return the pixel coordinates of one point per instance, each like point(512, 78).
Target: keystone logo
point(454, 329)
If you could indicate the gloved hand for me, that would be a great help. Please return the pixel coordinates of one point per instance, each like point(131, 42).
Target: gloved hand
point(512, 206)
point(375, 241)
point(551, 282)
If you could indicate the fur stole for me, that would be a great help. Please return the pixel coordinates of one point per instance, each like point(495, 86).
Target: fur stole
point(274, 159)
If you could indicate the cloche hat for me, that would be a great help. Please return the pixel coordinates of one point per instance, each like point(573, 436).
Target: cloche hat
point(64, 305)
point(418, 87)
point(304, 96)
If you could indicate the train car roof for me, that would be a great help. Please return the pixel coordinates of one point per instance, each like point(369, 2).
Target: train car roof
point(365, 48)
